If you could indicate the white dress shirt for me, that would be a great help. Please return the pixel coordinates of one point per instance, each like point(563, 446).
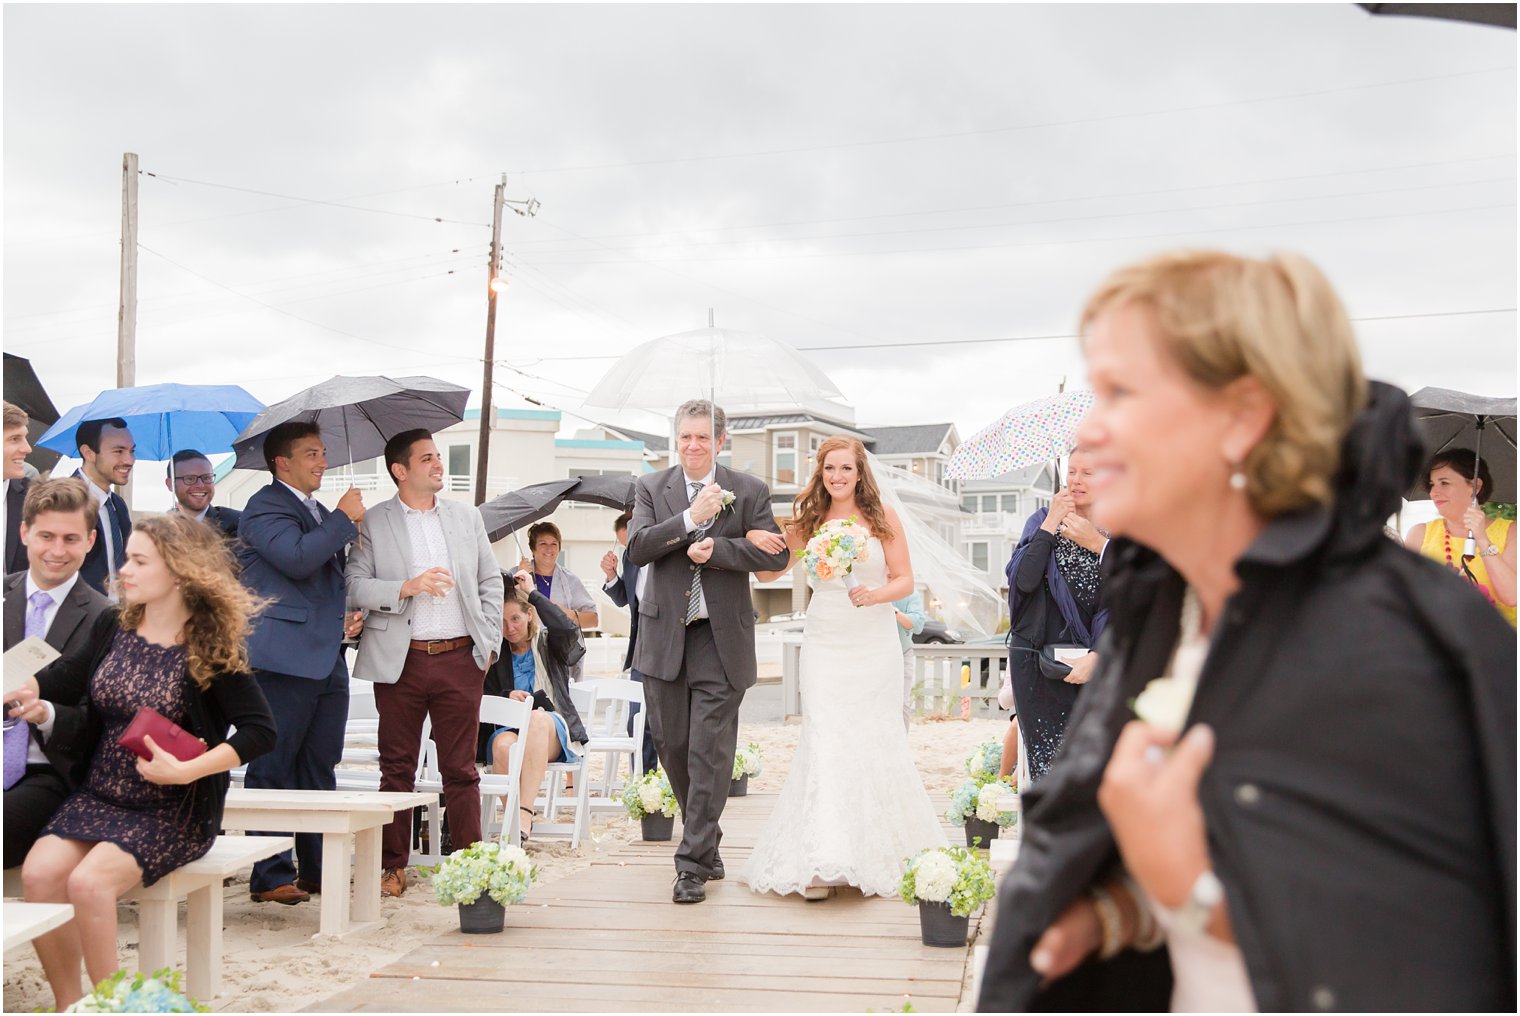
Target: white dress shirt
point(691, 525)
point(59, 593)
point(433, 617)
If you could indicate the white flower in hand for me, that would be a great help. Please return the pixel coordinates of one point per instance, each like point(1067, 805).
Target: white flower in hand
point(1164, 704)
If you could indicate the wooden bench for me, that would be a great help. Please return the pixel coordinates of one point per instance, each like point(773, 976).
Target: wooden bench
point(348, 821)
point(25, 921)
point(199, 884)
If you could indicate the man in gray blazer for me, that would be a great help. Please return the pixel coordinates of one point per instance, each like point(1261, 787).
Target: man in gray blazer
point(696, 646)
point(48, 600)
point(425, 572)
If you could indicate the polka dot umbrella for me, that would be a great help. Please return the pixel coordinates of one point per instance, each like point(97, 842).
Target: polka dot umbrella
point(1034, 432)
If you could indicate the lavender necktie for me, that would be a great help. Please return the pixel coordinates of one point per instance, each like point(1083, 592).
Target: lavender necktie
point(36, 614)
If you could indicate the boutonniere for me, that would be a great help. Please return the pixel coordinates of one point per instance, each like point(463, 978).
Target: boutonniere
point(729, 497)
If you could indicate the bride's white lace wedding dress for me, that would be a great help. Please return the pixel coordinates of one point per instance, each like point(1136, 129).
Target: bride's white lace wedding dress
point(853, 807)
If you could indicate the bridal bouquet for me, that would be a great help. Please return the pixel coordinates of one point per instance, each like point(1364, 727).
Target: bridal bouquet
point(951, 875)
point(501, 871)
point(160, 991)
point(834, 550)
point(650, 794)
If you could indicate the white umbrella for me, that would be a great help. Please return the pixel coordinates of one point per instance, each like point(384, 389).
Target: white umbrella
point(722, 363)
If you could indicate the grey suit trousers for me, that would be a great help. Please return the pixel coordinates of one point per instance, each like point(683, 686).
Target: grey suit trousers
point(696, 727)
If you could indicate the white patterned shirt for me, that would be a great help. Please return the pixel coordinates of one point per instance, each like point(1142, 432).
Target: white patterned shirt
point(433, 617)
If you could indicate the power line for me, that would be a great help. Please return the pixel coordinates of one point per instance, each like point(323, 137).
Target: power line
point(1156, 192)
point(315, 201)
point(1035, 222)
point(949, 135)
point(1043, 243)
point(281, 310)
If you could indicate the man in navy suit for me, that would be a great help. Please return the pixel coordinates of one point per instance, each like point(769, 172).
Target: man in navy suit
point(108, 451)
point(192, 481)
point(624, 591)
point(15, 453)
point(292, 550)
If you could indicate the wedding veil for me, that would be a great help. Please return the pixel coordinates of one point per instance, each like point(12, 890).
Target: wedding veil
point(965, 599)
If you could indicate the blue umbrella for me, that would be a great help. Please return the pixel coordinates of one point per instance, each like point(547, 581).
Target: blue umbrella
point(165, 418)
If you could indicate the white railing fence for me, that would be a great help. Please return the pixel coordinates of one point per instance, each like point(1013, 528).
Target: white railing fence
point(937, 684)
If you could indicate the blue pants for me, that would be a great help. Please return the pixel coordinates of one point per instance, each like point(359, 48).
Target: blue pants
point(309, 719)
point(651, 758)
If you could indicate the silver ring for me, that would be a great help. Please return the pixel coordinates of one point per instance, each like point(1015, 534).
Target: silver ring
point(1155, 755)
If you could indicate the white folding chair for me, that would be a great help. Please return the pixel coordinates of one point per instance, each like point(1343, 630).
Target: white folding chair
point(580, 824)
point(428, 778)
point(504, 712)
point(607, 734)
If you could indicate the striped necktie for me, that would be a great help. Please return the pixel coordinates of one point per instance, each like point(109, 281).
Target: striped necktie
point(694, 595)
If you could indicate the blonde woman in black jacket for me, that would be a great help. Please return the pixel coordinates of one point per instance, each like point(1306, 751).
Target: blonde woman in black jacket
point(1336, 827)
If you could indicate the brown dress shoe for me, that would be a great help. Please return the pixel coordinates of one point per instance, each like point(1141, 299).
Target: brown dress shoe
point(287, 894)
point(393, 882)
point(309, 887)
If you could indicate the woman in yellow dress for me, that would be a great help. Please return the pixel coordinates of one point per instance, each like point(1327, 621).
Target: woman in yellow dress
point(1453, 478)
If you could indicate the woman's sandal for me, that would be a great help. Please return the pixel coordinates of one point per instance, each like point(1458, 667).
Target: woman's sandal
point(522, 834)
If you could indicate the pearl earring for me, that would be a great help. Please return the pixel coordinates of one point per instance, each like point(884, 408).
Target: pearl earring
point(1237, 477)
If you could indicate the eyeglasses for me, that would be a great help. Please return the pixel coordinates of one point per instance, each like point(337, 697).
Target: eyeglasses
point(196, 478)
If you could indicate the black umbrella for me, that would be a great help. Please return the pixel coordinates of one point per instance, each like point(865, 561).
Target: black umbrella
point(24, 389)
point(522, 507)
point(358, 415)
point(1485, 426)
point(1499, 15)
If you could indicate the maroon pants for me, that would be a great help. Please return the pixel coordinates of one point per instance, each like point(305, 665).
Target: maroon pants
point(447, 687)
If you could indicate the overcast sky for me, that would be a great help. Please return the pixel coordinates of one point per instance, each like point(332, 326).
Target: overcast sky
point(842, 176)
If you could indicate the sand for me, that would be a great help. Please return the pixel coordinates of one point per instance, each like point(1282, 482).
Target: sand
point(273, 965)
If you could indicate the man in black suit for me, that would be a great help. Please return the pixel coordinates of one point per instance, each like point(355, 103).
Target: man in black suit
point(16, 451)
point(192, 481)
point(48, 600)
point(108, 451)
point(623, 590)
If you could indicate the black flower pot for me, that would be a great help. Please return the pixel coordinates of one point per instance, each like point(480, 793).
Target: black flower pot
point(657, 828)
point(483, 917)
point(975, 827)
point(939, 927)
point(739, 787)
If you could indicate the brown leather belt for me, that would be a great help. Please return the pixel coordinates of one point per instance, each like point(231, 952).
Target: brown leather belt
point(435, 646)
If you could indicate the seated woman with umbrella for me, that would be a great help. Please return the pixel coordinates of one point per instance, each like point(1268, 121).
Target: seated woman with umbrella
point(1462, 537)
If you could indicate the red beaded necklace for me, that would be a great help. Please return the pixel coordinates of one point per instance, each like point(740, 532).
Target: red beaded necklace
point(1462, 569)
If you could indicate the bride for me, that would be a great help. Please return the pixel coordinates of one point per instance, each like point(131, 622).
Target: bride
point(853, 808)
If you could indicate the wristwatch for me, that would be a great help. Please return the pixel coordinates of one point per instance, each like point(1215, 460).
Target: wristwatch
point(1194, 914)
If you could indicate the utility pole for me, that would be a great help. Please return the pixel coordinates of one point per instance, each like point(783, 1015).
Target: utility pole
point(483, 455)
point(126, 314)
point(495, 284)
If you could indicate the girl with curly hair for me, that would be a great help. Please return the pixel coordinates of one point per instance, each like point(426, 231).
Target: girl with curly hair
point(178, 644)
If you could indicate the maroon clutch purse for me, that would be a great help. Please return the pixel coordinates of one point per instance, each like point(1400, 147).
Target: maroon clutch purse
point(168, 735)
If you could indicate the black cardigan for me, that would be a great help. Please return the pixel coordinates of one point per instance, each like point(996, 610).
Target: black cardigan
point(231, 700)
point(1360, 805)
point(562, 646)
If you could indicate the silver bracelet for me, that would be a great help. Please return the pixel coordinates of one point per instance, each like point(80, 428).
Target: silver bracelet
point(1110, 923)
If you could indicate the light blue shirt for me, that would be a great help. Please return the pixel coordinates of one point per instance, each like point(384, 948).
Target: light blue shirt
point(913, 606)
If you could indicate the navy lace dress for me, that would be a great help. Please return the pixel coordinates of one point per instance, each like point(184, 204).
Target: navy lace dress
point(153, 823)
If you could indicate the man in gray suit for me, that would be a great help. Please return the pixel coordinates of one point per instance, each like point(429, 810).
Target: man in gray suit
point(425, 572)
point(696, 646)
point(48, 600)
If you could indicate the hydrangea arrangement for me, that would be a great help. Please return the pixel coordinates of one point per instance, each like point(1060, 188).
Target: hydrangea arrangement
point(161, 991)
point(983, 793)
point(747, 761)
point(952, 875)
point(834, 550)
point(650, 794)
point(502, 871)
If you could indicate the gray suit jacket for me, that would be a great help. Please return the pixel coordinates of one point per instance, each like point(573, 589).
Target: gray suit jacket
point(657, 539)
point(381, 561)
point(70, 630)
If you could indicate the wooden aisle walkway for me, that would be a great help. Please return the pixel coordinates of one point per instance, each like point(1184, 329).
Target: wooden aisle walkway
point(608, 939)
